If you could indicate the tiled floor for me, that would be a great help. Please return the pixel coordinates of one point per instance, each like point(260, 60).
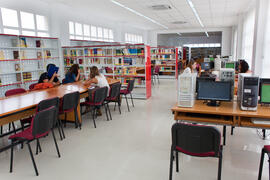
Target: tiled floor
point(134, 146)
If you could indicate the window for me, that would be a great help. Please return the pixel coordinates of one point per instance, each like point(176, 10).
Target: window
point(202, 45)
point(87, 32)
point(25, 23)
point(133, 38)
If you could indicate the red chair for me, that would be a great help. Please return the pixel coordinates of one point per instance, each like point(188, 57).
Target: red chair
point(156, 72)
point(41, 125)
point(195, 140)
point(31, 87)
point(127, 91)
point(114, 96)
point(265, 150)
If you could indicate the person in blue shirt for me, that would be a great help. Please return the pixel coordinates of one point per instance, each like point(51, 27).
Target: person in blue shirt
point(73, 74)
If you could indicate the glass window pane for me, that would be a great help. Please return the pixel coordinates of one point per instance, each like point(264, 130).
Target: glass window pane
point(42, 23)
point(79, 37)
point(110, 34)
point(93, 31)
point(106, 33)
point(86, 38)
point(86, 30)
point(43, 34)
point(9, 17)
point(27, 20)
point(71, 27)
point(78, 29)
point(28, 33)
point(100, 33)
point(11, 31)
point(71, 37)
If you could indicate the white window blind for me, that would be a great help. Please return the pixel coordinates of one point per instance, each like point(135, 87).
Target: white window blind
point(266, 55)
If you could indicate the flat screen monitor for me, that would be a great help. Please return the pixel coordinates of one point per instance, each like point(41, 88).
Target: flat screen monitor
point(264, 91)
point(230, 65)
point(214, 91)
point(208, 78)
point(206, 66)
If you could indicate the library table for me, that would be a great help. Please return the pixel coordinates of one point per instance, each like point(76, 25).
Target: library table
point(227, 114)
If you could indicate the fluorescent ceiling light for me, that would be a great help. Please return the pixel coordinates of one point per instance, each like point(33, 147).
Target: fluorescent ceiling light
point(196, 14)
point(179, 34)
point(139, 14)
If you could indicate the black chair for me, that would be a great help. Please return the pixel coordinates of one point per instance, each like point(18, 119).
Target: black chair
point(265, 150)
point(41, 125)
point(70, 103)
point(114, 96)
point(195, 140)
point(96, 100)
point(127, 91)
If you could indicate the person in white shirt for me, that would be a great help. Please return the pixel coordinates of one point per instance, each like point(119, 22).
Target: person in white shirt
point(99, 79)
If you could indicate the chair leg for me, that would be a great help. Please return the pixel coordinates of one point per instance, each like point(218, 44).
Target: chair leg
point(9, 126)
point(14, 128)
point(220, 163)
point(131, 99)
point(106, 111)
point(158, 79)
point(38, 148)
point(109, 110)
point(232, 128)
point(93, 116)
point(127, 103)
point(114, 106)
point(119, 106)
point(177, 162)
point(61, 127)
point(224, 135)
point(75, 118)
point(32, 157)
point(11, 157)
point(56, 145)
point(65, 122)
point(171, 165)
point(261, 165)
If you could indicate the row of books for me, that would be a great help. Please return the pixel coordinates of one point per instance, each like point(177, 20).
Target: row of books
point(162, 51)
point(27, 76)
point(21, 42)
point(22, 54)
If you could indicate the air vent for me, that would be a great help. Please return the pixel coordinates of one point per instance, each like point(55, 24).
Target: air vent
point(179, 22)
point(160, 7)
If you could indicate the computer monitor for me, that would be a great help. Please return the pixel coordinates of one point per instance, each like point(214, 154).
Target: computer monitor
point(214, 92)
point(208, 78)
point(230, 65)
point(264, 91)
point(206, 66)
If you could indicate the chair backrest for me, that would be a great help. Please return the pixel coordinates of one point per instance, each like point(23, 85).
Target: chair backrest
point(45, 104)
point(115, 90)
point(157, 69)
point(71, 100)
point(42, 121)
point(130, 85)
point(98, 95)
point(195, 138)
point(31, 87)
point(14, 91)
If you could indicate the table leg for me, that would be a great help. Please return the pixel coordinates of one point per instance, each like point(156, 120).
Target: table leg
point(224, 135)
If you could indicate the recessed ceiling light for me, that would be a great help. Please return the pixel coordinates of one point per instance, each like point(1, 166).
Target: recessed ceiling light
point(139, 14)
point(161, 7)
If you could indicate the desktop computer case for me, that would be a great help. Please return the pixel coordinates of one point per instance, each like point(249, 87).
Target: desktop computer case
point(248, 88)
point(226, 74)
point(186, 89)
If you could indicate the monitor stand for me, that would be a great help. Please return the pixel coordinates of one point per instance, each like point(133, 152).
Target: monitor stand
point(213, 103)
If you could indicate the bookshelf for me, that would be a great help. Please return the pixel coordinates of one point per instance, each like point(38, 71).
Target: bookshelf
point(77, 42)
point(166, 59)
point(24, 58)
point(118, 61)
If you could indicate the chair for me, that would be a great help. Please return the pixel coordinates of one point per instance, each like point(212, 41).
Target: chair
point(64, 81)
point(195, 140)
point(114, 96)
point(41, 125)
point(31, 87)
point(96, 99)
point(156, 73)
point(265, 150)
point(12, 92)
point(70, 103)
point(127, 91)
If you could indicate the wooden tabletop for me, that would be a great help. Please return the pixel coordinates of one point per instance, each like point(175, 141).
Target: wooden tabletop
point(226, 108)
point(21, 102)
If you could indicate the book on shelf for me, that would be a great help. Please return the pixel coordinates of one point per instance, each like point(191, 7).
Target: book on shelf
point(2, 56)
point(18, 77)
point(27, 76)
point(16, 55)
point(39, 43)
point(47, 53)
point(39, 54)
point(23, 42)
point(17, 67)
point(0, 82)
point(22, 54)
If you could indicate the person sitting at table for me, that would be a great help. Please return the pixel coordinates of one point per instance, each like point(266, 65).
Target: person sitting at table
point(55, 80)
point(244, 67)
point(95, 77)
point(44, 82)
point(191, 67)
point(73, 74)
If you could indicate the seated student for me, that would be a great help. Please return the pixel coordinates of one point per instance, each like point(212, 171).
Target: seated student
point(55, 79)
point(73, 74)
point(244, 67)
point(191, 67)
point(99, 79)
point(44, 81)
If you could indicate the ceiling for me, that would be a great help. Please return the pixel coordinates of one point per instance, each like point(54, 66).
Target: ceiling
point(213, 13)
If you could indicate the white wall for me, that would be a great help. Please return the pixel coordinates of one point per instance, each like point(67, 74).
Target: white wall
point(59, 15)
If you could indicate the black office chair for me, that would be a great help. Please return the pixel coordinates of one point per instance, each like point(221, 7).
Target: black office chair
point(195, 140)
point(114, 96)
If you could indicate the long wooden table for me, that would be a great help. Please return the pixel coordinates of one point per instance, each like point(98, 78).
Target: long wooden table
point(21, 106)
point(227, 114)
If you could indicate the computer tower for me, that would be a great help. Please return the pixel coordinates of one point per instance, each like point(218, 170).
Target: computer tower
point(226, 74)
point(248, 89)
point(217, 64)
point(186, 89)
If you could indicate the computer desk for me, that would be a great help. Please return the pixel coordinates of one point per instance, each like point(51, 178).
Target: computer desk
point(227, 114)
